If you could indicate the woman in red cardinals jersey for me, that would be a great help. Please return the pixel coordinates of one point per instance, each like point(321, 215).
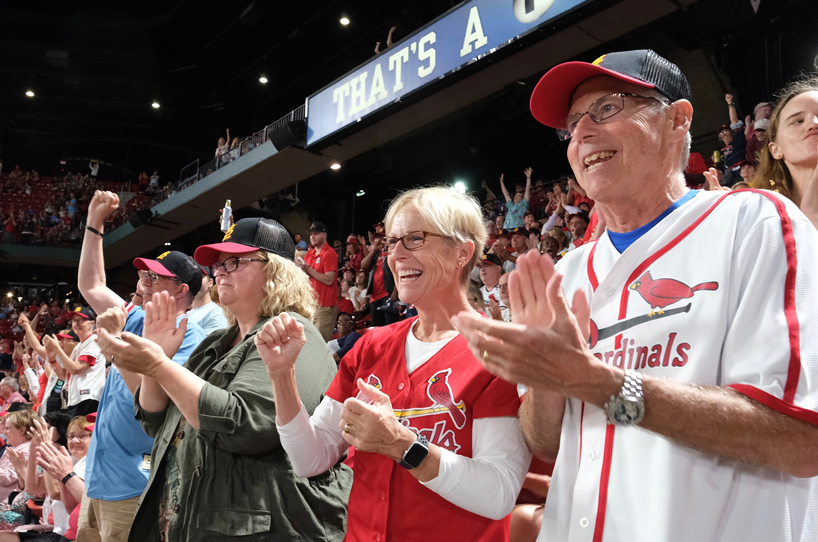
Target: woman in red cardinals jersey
point(439, 453)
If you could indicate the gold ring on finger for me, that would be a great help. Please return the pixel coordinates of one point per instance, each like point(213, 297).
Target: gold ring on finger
point(485, 355)
point(347, 427)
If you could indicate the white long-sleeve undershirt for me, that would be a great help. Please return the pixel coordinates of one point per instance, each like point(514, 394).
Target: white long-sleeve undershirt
point(486, 484)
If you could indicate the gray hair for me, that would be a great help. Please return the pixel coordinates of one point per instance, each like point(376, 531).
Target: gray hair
point(11, 382)
point(684, 158)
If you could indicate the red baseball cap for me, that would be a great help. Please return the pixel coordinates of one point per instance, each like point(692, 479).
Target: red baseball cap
point(551, 99)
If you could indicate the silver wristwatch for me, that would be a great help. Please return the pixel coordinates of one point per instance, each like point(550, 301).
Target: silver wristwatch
point(627, 408)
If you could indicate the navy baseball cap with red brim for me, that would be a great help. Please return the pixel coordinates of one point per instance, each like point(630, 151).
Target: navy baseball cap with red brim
point(70, 336)
point(248, 235)
point(176, 265)
point(551, 99)
point(82, 312)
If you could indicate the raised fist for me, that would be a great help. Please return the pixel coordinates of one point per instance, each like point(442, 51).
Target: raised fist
point(102, 205)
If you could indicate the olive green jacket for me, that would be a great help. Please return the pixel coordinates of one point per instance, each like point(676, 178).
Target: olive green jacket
point(236, 479)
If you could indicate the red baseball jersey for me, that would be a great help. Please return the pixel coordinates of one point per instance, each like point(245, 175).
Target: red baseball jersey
point(439, 400)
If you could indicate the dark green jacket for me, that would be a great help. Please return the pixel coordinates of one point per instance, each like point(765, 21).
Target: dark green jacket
point(236, 479)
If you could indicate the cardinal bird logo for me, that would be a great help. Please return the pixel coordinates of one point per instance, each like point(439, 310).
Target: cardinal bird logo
point(439, 391)
point(659, 293)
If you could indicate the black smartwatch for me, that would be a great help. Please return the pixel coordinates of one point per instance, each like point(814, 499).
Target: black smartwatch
point(417, 452)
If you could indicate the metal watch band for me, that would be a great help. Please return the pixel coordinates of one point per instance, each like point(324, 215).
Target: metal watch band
point(632, 388)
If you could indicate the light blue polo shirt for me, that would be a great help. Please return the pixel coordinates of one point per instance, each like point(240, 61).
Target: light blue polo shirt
point(119, 447)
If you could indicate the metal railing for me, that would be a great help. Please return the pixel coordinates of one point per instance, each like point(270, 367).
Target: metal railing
point(196, 170)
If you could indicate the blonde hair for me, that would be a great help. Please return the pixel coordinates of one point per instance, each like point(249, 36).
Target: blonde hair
point(78, 421)
point(456, 216)
point(22, 420)
point(287, 289)
point(557, 233)
point(773, 174)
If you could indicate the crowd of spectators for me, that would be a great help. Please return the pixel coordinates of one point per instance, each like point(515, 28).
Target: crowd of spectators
point(51, 211)
point(54, 374)
point(56, 368)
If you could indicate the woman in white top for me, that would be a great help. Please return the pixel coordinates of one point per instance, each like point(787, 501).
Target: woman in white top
point(358, 294)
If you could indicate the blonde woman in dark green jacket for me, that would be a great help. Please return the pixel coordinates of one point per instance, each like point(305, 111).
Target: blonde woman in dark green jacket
point(218, 470)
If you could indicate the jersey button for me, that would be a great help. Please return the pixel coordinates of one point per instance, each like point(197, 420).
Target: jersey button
point(584, 523)
point(591, 455)
point(383, 496)
point(378, 537)
point(609, 292)
point(400, 386)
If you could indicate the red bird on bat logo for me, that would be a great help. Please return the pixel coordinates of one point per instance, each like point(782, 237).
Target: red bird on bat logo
point(659, 293)
point(439, 391)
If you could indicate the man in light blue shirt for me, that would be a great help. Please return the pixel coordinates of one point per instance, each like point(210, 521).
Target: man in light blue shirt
point(209, 315)
point(118, 461)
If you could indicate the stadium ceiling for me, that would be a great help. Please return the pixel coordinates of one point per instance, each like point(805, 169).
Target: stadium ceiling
point(96, 67)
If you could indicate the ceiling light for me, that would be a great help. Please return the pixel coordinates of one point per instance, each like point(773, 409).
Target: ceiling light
point(155, 105)
point(167, 244)
point(9, 294)
point(344, 20)
point(336, 166)
point(30, 93)
point(460, 187)
point(262, 80)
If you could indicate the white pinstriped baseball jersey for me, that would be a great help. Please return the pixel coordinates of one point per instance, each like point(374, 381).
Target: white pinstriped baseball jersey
point(722, 292)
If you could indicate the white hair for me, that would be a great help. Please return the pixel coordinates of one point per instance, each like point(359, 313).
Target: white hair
point(11, 382)
point(684, 158)
point(456, 216)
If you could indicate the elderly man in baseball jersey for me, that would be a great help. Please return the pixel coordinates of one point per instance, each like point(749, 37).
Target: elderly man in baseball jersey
point(681, 387)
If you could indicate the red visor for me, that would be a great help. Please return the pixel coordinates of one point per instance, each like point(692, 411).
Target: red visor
point(144, 264)
point(209, 254)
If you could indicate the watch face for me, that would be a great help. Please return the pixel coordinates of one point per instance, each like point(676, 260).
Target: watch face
point(624, 412)
point(416, 454)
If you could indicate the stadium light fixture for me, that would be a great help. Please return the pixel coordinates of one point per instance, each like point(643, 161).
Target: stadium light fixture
point(155, 105)
point(30, 93)
point(263, 80)
point(360, 193)
point(344, 20)
point(460, 187)
point(335, 167)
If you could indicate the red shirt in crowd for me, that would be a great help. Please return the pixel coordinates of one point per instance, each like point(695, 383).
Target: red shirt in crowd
point(378, 288)
point(324, 262)
point(579, 198)
point(355, 261)
point(696, 164)
point(345, 305)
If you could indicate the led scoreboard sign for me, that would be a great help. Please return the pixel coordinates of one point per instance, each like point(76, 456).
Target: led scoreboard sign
point(460, 37)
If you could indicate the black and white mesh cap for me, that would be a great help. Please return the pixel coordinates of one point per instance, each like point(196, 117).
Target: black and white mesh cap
point(246, 235)
point(551, 99)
